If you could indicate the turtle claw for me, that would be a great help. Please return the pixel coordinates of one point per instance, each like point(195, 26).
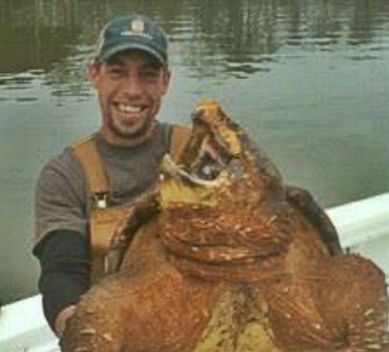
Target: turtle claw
point(139, 212)
point(315, 214)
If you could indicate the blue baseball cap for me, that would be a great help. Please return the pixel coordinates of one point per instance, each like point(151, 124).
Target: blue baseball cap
point(133, 32)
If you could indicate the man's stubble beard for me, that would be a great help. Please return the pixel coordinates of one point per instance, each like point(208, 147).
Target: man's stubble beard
point(147, 125)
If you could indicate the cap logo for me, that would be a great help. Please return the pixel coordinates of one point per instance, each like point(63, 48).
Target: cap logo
point(137, 26)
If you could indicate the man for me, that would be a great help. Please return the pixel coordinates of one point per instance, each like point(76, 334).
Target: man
point(90, 180)
point(80, 193)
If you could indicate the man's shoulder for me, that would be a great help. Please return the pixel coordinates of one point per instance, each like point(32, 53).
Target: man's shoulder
point(81, 141)
point(169, 126)
point(65, 162)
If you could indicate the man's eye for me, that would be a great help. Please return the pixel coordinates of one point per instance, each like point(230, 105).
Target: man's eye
point(150, 73)
point(116, 73)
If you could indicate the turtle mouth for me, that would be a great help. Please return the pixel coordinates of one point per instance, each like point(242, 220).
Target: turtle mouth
point(178, 186)
point(210, 163)
point(203, 184)
point(200, 176)
point(196, 180)
point(211, 153)
point(204, 159)
point(213, 146)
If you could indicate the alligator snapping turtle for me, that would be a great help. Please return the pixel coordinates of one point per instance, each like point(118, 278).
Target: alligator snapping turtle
point(221, 256)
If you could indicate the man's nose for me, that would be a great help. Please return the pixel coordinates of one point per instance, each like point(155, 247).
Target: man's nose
point(132, 85)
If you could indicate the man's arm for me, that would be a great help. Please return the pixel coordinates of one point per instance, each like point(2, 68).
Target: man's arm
point(65, 274)
point(62, 245)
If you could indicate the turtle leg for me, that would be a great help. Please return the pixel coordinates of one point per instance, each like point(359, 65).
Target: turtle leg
point(357, 303)
point(163, 313)
point(315, 214)
point(96, 324)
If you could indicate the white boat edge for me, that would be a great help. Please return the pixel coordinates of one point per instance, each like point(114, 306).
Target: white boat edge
point(363, 226)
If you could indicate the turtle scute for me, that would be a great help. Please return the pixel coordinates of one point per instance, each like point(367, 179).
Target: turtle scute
point(229, 259)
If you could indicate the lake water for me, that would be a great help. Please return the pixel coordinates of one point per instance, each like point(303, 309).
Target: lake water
point(308, 78)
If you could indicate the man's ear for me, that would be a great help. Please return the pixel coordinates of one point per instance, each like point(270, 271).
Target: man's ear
point(93, 72)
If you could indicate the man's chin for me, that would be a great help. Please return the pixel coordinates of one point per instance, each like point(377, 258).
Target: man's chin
point(134, 131)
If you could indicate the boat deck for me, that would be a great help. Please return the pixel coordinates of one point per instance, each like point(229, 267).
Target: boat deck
point(23, 328)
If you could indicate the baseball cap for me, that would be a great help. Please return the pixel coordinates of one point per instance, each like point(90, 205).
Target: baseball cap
point(132, 32)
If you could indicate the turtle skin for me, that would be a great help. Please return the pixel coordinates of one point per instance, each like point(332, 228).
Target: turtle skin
point(221, 256)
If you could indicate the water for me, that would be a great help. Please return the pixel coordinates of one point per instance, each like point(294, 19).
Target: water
point(307, 78)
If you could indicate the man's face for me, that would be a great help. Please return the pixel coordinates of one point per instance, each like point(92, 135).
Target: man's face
point(130, 87)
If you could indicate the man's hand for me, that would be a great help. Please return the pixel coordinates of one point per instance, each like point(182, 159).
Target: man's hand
point(62, 318)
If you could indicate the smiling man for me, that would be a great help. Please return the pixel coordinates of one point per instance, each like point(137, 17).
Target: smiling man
point(130, 74)
point(130, 87)
point(81, 193)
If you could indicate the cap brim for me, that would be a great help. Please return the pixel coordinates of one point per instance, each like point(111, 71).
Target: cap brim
point(132, 46)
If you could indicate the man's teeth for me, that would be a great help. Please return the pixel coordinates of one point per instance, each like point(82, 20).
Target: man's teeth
point(129, 108)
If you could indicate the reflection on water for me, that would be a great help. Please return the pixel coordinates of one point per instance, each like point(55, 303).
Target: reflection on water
point(238, 38)
point(307, 78)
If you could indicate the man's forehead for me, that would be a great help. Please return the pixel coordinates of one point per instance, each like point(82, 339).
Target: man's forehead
point(138, 56)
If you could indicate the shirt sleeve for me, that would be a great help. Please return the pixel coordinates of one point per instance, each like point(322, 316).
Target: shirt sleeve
point(64, 258)
point(61, 246)
point(60, 199)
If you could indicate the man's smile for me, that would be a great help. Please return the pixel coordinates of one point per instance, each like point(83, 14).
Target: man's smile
point(129, 108)
point(129, 114)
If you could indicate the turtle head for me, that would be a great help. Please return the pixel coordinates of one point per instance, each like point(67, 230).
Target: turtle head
point(218, 162)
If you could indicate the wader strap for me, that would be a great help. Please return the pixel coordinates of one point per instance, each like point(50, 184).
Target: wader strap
point(103, 224)
point(86, 152)
point(104, 221)
point(179, 137)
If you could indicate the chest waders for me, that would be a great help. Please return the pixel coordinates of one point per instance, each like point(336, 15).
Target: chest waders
point(103, 219)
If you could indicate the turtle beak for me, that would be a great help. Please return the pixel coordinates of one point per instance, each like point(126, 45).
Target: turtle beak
point(224, 132)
